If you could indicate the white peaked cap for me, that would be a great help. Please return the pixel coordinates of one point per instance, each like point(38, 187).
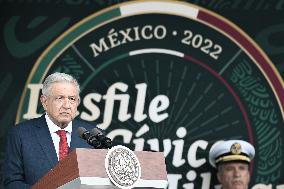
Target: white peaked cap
point(231, 150)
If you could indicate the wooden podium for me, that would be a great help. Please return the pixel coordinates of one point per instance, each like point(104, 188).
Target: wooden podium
point(85, 169)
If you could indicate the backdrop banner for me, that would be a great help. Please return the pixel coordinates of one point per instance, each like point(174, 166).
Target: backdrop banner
point(168, 76)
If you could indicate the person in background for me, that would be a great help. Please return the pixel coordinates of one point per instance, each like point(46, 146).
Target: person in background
point(35, 146)
point(231, 159)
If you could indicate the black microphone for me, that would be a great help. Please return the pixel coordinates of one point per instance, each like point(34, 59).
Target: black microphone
point(90, 138)
point(106, 142)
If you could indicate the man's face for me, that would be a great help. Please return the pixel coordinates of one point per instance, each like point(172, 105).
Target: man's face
point(234, 175)
point(61, 105)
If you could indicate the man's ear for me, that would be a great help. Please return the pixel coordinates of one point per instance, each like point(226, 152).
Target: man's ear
point(43, 100)
point(79, 101)
point(249, 176)
point(219, 176)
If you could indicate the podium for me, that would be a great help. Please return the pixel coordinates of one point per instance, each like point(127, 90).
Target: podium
point(85, 169)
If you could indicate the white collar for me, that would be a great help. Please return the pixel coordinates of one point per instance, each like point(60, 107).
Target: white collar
point(53, 127)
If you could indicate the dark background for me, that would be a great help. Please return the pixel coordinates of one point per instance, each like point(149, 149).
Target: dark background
point(26, 29)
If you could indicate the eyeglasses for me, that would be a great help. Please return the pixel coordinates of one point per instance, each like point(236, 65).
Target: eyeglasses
point(62, 99)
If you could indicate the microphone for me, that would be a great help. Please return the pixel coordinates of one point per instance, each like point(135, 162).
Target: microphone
point(91, 139)
point(106, 142)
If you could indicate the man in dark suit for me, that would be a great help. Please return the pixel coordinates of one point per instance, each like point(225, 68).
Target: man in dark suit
point(34, 147)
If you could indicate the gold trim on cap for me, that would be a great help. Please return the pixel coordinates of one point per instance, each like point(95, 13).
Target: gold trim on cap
point(233, 158)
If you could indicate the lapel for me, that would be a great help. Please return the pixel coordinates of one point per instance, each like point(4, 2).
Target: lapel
point(44, 139)
point(75, 140)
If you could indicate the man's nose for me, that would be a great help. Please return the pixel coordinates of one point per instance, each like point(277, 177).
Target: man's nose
point(66, 103)
point(237, 172)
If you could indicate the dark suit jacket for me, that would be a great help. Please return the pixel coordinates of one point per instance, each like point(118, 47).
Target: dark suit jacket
point(30, 152)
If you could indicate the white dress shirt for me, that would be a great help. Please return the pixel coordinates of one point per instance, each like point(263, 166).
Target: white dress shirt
point(55, 138)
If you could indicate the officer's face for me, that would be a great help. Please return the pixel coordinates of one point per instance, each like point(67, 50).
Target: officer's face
point(234, 175)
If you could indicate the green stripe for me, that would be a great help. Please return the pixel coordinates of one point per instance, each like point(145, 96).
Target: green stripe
point(68, 41)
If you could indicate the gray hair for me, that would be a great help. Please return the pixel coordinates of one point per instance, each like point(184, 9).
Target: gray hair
point(58, 78)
